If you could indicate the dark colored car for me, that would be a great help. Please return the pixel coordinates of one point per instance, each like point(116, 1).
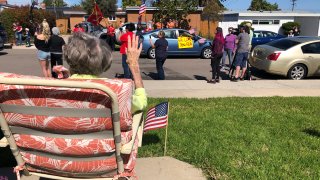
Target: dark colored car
point(201, 47)
point(3, 37)
point(263, 37)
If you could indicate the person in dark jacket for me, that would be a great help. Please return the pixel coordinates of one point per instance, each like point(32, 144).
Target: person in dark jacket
point(161, 47)
point(217, 52)
point(56, 43)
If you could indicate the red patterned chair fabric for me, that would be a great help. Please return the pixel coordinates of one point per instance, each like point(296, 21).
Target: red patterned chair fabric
point(70, 98)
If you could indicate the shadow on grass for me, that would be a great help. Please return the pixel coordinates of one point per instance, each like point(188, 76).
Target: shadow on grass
point(312, 132)
point(150, 139)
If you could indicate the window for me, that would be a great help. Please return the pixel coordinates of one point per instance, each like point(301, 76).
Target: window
point(269, 34)
point(185, 33)
point(171, 34)
point(255, 21)
point(112, 18)
point(266, 22)
point(312, 48)
point(283, 43)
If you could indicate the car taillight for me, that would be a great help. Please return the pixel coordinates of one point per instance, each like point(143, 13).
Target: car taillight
point(274, 56)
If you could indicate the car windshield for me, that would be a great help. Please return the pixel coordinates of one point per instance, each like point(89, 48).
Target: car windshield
point(283, 43)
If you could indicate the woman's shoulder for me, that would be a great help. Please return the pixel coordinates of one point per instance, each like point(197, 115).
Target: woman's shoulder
point(40, 37)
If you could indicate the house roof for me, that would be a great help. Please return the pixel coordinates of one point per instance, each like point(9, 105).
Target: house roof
point(273, 13)
point(74, 12)
point(136, 8)
point(7, 6)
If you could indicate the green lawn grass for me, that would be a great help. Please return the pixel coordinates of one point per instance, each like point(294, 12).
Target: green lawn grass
point(242, 138)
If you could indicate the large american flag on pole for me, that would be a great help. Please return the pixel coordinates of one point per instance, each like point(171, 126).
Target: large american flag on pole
point(142, 8)
point(157, 117)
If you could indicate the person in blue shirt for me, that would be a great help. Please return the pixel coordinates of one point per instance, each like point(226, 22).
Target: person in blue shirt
point(161, 47)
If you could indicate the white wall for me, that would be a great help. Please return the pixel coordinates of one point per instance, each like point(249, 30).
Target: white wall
point(309, 25)
point(268, 27)
point(226, 25)
point(229, 20)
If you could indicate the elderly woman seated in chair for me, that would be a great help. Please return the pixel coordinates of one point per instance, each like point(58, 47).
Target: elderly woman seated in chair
point(88, 57)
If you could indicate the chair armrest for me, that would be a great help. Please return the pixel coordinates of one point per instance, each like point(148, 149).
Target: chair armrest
point(136, 125)
point(4, 142)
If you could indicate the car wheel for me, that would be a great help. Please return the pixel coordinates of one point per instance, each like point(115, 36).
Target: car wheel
point(206, 53)
point(298, 71)
point(151, 53)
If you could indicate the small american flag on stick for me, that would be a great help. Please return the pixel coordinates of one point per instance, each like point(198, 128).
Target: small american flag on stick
point(157, 117)
point(142, 8)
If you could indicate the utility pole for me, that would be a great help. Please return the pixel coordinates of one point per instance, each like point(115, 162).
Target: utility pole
point(293, 4)
point(54, 8)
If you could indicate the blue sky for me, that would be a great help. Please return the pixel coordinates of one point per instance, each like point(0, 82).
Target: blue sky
point(309, 5)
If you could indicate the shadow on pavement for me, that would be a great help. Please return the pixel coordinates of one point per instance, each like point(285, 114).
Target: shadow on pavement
point(197, 77)
point(3, 53)
point(152, 75)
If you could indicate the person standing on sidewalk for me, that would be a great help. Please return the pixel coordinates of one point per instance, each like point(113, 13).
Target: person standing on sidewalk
point(217, 52)
point(28, 36)
point(56, 43)
point(19, 34)
point(161, 47)
point(41, 41)
point(124, 44)
point(243, 42)
point(111, 36)
point(229, 47)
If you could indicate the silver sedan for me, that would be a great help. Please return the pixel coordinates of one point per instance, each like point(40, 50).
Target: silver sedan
point(295, 57)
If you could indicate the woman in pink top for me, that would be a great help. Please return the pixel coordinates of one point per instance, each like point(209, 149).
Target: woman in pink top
point(229, 47)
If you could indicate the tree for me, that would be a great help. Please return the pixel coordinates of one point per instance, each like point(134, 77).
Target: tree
point(212, 12)
point(126, 3)
point(57, 3)
point(289, 26)
point(263, 5)
point(21, 15)
point(175, 9)
point(108, 7)
point(76, 7)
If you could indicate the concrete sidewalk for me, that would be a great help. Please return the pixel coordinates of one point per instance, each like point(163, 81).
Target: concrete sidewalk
point(226, 88)
point(155, 168)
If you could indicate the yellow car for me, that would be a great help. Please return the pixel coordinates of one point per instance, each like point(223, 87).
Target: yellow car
point(294, 57)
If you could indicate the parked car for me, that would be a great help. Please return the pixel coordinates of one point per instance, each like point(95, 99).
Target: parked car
point(201, 47)
point(263, 37)
point(3, 37)
point(123, 29)
point(295, 57)
point(97, 31)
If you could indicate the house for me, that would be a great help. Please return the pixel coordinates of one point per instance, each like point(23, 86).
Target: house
point(273, 20)
point(4, 5)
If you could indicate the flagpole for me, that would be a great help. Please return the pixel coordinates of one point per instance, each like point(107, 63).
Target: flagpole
point(166, 136)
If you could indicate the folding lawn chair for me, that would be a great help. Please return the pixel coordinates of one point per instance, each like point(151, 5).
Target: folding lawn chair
point(66, 129)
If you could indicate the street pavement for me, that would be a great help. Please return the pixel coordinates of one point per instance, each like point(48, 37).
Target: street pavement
point(169, 168)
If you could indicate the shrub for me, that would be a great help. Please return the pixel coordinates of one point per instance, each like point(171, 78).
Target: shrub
point(22, 15)
point(289, 26)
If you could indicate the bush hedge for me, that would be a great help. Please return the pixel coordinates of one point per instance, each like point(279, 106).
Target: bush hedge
point(22, 15)
point(289, 26)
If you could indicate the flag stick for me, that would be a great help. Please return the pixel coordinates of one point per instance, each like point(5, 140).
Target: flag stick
point(166, 136)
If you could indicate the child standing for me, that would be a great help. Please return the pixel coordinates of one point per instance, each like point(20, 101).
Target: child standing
point(27, 36)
